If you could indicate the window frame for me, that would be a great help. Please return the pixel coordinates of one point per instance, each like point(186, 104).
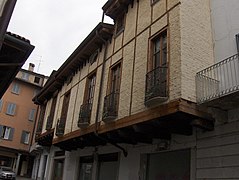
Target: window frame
point(152, 40)
point(16, 88)
point(90, 88)
point(31, 116)
point(110, 79)
point(3, 134)
point(25, 136)
point(11, 109)
point(96, 161)
point(120, 20)
point(37, 80)
point(25, 76)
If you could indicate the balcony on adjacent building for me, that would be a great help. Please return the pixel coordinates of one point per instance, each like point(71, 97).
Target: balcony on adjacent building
point(110, 110)
point(60, 127)
point(85, 114)
point(49, 123)
point(218, 85)
point(156, 86)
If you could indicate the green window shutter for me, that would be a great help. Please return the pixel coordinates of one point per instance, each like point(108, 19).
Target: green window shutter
point(11, 134)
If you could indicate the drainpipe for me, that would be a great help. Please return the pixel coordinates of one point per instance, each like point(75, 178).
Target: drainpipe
point(99, 100)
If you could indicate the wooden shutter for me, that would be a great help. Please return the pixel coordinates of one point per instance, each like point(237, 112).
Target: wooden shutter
point(11, 134)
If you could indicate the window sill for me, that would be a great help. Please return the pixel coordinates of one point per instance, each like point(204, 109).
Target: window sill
point(15, 93)
point(5, 139)
point(9, 114)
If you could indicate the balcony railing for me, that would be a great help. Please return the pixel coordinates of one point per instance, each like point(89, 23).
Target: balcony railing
point(218, 80)
point(60, 127)
point(49, 122)
point(110, 110)
point(85, 114)
point(39, 127)
point(156, 86)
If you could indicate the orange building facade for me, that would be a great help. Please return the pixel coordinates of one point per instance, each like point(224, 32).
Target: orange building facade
point(17, 120)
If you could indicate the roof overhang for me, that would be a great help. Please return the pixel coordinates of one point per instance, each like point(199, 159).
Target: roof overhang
point(113, 8)
point(13, 54)
point(101, 33)
point(176, 117)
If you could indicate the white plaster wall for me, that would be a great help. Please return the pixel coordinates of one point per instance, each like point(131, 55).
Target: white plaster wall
point(225, 25)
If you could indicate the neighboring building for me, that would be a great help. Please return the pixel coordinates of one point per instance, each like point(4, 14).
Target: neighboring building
point(124, 104)
point(17, 120)
point(14, 50)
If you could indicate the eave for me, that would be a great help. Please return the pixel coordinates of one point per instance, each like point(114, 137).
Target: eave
point(102, 32)
point(113, 8)
point(13, 54)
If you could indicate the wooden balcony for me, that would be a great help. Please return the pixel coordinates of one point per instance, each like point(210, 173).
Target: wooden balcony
point(218, 85)
point(156, 86)
point(176, 117)
point(84, 116)
point(110, 110)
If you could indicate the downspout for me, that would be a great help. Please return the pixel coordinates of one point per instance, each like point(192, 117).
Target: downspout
point(99, 100)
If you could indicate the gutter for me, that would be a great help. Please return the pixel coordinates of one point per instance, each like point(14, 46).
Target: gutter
point(99, 100)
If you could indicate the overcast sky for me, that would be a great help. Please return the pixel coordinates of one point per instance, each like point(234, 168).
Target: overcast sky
point(55, 28)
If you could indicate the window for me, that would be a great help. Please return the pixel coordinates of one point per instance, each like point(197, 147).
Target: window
point(1, 104)
point(25, 137)
point(157, 166)
point(32, 115)
point(11, 108)
point(62, 121)
point(6, 132)
point(159, 48)
point(86, 166)
point(25, 76)
point(37, 80)
point(120, 21)
point(115, 79)
point(16, 88)
point(85, 109)
point(90, 87)
point(110, 110)
point(106, 166)
point(157, 77)
point(93, 57)
point(51, 115)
